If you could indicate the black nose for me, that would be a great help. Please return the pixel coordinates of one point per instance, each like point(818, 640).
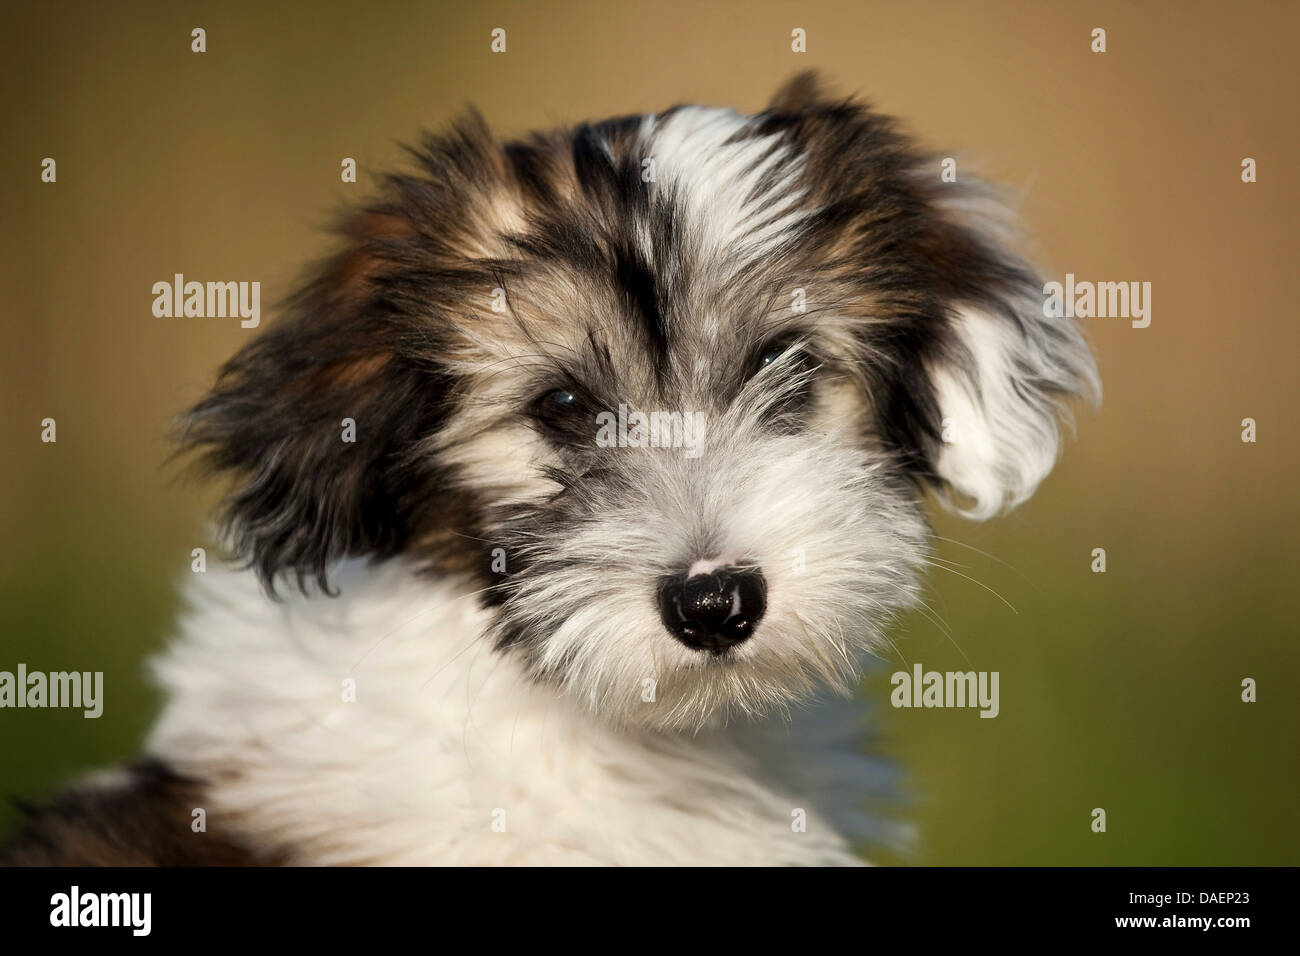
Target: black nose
point(714, 611)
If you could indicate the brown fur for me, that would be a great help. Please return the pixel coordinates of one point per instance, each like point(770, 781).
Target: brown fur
point(143, 821)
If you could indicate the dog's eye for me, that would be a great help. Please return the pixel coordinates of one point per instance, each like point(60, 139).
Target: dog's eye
point(560, 399)
point(555, 410)
point(797, 359)
point(787, 367)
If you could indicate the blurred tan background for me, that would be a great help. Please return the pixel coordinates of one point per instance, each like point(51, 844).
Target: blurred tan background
point(1119, 690)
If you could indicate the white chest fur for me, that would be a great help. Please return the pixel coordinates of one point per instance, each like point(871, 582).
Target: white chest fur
point(378, 727)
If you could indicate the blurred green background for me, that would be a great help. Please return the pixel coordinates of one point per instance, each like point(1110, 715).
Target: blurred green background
point(1118, 690)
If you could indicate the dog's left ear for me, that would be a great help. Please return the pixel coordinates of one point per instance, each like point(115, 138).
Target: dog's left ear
point(320, 419)
point(1002, 372)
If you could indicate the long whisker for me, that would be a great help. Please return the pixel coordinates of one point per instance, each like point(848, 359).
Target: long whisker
point(937, 620)
point(992, 557)
point(938, 563)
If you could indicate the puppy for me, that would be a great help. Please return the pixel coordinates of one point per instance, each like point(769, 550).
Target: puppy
point(586, 459)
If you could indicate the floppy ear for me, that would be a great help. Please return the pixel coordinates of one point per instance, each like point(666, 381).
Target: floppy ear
point(1003, 371)
point(304, 496)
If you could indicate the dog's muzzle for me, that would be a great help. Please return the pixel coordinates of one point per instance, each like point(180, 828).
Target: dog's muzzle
point(714, 611)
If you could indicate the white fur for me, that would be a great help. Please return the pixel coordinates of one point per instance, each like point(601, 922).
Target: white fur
point(443, 734)
point(999, 416)
point(998, 449)
point(1002, 400)
point(731, 221)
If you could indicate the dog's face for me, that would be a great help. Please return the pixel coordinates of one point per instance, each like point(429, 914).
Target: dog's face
point(667, 389)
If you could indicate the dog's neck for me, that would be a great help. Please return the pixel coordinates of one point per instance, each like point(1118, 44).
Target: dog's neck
point(379, 727)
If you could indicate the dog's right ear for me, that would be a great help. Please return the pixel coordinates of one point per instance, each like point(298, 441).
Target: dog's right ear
point(1005, 373)
point(319, 420)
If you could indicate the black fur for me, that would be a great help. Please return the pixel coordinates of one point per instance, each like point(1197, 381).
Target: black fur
point(145, 821)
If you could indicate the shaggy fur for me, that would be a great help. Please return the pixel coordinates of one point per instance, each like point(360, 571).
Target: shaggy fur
point(483, 573)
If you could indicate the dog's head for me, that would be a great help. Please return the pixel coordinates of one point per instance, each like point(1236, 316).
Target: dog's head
point(667, 388)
